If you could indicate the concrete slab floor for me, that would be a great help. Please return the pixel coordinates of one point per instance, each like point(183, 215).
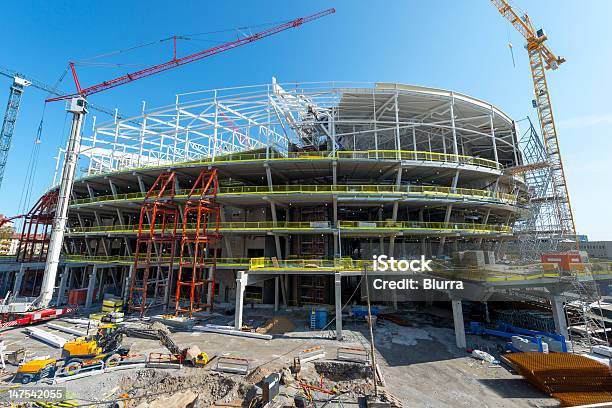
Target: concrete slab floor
point(420, 363)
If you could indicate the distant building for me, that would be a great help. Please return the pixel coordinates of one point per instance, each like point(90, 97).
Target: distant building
point(8, 239)
point(595, 249)
point(598, 249)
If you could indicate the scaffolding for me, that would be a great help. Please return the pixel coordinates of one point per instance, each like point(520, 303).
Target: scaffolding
point(198, 257)
point(539, 231)
point(155, 246)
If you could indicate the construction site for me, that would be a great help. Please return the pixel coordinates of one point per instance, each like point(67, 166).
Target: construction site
point(226, 249)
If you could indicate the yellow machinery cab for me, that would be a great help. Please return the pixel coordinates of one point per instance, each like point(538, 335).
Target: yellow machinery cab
point(89, 345)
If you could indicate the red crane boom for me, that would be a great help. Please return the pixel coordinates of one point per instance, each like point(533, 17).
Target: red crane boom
point(185, 60)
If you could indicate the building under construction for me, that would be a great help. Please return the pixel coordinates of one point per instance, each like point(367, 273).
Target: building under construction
point(281, 196)
point(301, 180)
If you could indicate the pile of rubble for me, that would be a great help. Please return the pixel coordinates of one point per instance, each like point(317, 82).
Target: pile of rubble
point(146, 388)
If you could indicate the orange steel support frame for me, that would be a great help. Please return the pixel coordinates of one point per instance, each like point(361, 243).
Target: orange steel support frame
point(198, 258)
point(35, 234)
point(155, 246)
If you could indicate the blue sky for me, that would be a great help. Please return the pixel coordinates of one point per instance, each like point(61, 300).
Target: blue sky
point(458, 45)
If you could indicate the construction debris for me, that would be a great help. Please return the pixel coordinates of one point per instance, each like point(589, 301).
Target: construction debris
point(233, 365)
point(147, 385)
point(47, 337)
point(278, 325)
point(231, 331)
point(65, 329)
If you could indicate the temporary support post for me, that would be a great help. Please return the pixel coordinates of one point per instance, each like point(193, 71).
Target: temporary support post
point(241, 282)
point(559, 315)
point(18, 280)
point(338, 303)
point(459, 325)
point(63, 284)
point(91, 286)
point(198, 259)
point(155, 246)
point(276, 285)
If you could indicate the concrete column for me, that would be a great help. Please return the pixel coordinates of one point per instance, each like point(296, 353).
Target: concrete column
point(459, 325)
point(276, 282)
point(91, 286)
point(559, 315)
point(209, 292)
point(127, 283)
point(338, 290)
point(62, 286)
point(18, 280)
point(241, 282)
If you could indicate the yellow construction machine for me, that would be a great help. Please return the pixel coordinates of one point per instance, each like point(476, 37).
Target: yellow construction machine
point(104, 346)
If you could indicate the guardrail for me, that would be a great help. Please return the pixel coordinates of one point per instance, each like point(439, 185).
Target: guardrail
point(354, 154)
point(315, 226)
point(512, 273)
point(122, 259)
point(367, 189)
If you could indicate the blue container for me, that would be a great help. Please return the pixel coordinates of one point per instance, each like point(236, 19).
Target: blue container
point(320, 318)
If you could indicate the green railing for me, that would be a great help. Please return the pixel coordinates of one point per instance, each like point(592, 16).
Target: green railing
point(356, 154)
point(328, 155)
point(314, 226)
point(351, 189)
point(514, 273)
point(119, 259)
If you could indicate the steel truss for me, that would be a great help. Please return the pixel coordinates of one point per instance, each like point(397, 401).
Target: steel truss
point(198, 257)
point(35, 233)
point(334, 116)
point(538, 233)
point(155, 246)
point(10, 117)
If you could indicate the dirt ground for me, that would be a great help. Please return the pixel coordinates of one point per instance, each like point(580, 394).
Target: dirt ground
point(420, 363)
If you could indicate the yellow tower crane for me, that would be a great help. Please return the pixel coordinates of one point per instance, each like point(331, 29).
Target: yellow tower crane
point(541, 58)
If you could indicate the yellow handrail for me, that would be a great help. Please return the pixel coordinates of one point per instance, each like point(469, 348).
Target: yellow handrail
point(408, 190)
point(314, 226)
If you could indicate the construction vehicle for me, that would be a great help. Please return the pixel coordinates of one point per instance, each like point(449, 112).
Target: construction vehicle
point(105, 347)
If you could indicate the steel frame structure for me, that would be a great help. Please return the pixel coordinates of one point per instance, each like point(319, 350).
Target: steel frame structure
point(538, 232)
point(35, 233)
point(155, 246)
point(340, 116)
point(198, 257)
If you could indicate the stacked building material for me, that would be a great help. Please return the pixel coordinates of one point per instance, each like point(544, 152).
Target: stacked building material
point(528, 319)
point(573, 379)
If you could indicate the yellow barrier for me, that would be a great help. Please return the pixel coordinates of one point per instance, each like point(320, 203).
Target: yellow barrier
point(408, 190)
point(515, 273)
point(315, 226)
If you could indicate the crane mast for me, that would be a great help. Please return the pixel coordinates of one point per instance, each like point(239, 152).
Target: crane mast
point(10, 117)
point(78, 107)
point(541, 58)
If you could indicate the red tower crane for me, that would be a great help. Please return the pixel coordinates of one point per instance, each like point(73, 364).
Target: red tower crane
point(177, 62)
point(78, 107)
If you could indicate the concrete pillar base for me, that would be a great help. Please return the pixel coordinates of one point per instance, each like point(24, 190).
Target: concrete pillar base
point(62, 287)
point(241, 282)
point(559, 316)
point(18, 281)
point(459, 325)
point(91, 286)
point(338, 302)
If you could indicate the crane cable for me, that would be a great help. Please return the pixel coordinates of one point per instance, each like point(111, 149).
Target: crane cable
point(92, 61)
point(32, 167)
